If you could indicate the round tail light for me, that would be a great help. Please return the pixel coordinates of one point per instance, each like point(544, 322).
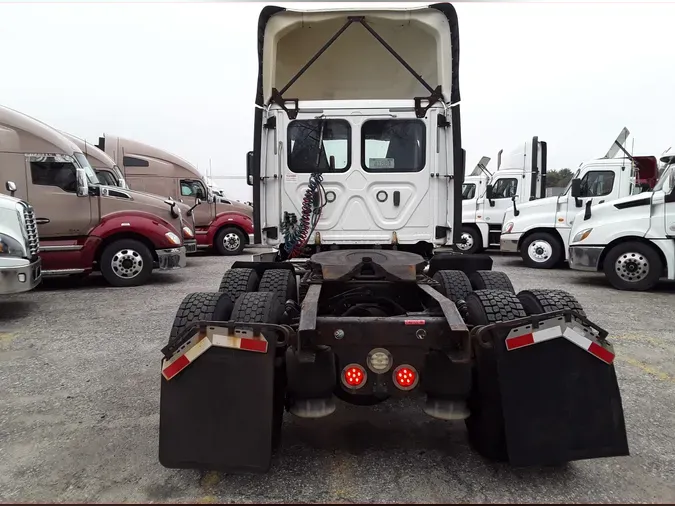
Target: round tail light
point(405, 377)
point(354, 376)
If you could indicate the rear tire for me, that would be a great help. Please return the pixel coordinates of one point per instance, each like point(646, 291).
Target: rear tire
point(230, 241)
point(633, 266)
point(281, 282)
point(264, 307)
point(544, 301)
point(541, 250)
point(455, 285)
point(491, 280)
point(485, 425)
point(471, 241)
point(201, 306)
point(126, 262)
point(238, 281)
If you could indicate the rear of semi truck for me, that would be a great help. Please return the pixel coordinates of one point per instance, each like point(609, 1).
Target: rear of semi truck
point(357, 172)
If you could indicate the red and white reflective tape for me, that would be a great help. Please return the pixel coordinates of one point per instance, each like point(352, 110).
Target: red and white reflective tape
point(200, 343)
point(566, 331)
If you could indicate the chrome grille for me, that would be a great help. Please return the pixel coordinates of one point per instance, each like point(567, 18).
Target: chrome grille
point(31, 230)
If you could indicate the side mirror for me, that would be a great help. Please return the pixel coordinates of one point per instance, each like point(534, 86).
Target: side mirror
point(11, 187)
point(575, 191)
point(489, 195)
point(249, 168)
point(123, 183)
point(331, 163)
point(82, 183)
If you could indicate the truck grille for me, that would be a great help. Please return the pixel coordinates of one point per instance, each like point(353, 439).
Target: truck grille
point(31, 229)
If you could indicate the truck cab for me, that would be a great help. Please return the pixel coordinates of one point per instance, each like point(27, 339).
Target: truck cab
point(520, 177)
point(224, 227)
point(541, 230)
point(84, 225)
point(20, 266)
point(381, 151)
point(109, 174)
point(631, 239)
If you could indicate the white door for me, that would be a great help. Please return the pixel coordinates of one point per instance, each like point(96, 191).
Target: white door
point(599, 185)
point(503, 188)
point(381, 181)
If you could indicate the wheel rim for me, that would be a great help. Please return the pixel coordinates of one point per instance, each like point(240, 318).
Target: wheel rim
point(465, 241)
point(632, 267)
point(540, 251)
point(127, 263)
point(231, 242)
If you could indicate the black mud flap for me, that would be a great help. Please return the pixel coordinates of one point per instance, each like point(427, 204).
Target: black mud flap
point(216, 413)
point(559, 401)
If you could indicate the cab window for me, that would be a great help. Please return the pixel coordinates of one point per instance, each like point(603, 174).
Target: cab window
point(48, 172)
point(597, 183)
point(106, 178)
point(192, 189)
point(393, 145)
point(505, 188)
point(468, 191)
point(313, 142)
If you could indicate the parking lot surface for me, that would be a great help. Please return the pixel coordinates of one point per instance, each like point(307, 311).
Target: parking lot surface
point(79, 404)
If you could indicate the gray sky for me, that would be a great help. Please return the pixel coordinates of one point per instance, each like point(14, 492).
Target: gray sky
point(182, 76)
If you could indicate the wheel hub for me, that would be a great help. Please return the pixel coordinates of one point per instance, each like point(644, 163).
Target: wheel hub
point(231, 241)
point(632, 267)
point(465, 242)
point(540, 251)
point(127, 263)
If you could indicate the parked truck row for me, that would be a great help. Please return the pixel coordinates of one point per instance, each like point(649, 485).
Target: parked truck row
point(89, 214)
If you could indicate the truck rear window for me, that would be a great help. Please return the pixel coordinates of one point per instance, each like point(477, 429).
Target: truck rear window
point(393, 145)
point(313, 142)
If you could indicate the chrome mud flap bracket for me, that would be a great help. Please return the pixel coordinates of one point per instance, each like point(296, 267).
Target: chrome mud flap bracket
point(557, 387)
point(217, 396)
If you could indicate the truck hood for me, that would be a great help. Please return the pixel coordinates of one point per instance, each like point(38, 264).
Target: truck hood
point(121, 199)
point(540, 212)
point(236, 207)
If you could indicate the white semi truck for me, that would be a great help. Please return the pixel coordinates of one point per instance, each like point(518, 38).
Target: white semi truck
point(20, 265)
point(631, 240)
point(357, 171)
point(520, 177)
point(540, 230)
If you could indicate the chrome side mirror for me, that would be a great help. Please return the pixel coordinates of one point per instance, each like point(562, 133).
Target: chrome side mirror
point(123, 184)
point(82, 183)
point(11, 187)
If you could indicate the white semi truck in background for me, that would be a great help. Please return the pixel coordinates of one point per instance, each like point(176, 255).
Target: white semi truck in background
point(20, 265)
point(540, 230)
point(520, 177)
point(632, 239)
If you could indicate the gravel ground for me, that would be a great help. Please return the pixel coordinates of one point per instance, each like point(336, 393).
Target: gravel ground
point(79, 369)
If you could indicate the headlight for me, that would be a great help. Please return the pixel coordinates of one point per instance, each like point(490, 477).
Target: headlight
point(10, 246)
point(173, 238)
point(582, 235)
point(187, 232)
point(507, 228)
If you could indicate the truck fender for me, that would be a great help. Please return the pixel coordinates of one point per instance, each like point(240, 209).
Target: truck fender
point(484, 230)
point(229, 219)
point(151, 227)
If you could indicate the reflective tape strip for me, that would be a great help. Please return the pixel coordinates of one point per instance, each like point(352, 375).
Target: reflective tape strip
point(172, 367)
point(586, 344)
point(240, 343)
point(569, 333)
point(414, 322)
point(538, 336)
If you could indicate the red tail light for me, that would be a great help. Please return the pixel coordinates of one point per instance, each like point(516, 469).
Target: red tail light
point(405, 377)
point(354, 376)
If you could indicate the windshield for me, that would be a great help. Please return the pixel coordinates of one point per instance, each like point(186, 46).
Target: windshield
point(84, 164)
point(569, 185)
point(665, 175)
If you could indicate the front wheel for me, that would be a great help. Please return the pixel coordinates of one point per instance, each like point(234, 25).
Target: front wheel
point(230, 241)
point(470, 241)
point(541, 251)
point(633, 266)
point(126, 262)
